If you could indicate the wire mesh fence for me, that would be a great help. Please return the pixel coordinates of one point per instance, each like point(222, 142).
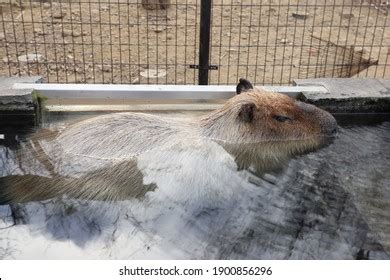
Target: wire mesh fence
point(157, 41)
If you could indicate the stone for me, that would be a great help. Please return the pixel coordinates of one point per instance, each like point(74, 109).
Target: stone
point(35, 4)
point(2, 36)
point(158, 29)
point(39, 31)
point(76, 33)
point(16, 99)
point(104, 8)
point(46, 5)
point(156, 4)
point(349, 94)
point(153, 73)
point(31, 58)
point(58, 14)
point(66, 33)
point(283, 41)
point(299, 15)
point(105, 68)
point(347, 16)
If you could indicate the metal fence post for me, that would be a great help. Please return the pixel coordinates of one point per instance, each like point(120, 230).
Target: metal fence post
point(204, 41)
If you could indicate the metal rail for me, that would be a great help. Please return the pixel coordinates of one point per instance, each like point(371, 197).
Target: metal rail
point(150, 92)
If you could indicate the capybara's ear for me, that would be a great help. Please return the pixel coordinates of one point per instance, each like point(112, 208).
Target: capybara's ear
point(247, 112)
point(243, 85)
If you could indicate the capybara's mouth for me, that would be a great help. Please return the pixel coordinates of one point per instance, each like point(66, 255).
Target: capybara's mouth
point(328, 138)
point(332, 133)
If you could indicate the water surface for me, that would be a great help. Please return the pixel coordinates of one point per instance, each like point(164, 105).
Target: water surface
point(333, 203)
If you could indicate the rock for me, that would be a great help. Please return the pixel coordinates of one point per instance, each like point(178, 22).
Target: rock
point(299, 15)
point(46, 5)
point(104, 8)
point(66, 33)
point(35, 4)
point(105, 68)
point(16, 99)
point(6, 59)
point(39, 31)
point(13, 3)
point(283, 41)
point(153, 73)
point(156, 4)
point(347, 16)
point(270, 11)
point(76, 33)
point(2, 36)
point(58, 14)
point(31, 58)
point(158, 29)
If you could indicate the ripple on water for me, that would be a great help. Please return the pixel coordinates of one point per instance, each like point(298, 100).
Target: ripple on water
point(330, 204)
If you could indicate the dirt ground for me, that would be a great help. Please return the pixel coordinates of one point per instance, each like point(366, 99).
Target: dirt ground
point(115, 41)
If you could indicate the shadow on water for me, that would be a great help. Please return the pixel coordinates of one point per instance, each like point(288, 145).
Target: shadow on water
point(332, 203)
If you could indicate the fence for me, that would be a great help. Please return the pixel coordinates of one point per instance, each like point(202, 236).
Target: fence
point(194, 41)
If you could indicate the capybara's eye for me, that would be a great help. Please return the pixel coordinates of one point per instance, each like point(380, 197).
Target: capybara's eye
point(281, 118)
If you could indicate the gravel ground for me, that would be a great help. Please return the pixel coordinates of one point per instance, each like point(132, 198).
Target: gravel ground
point(107, 41)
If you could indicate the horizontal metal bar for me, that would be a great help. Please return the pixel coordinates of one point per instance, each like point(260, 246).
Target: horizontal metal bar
point(148, 92)
point(134, 108)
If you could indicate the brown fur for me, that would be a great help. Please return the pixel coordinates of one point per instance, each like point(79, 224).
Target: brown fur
point(307, 121)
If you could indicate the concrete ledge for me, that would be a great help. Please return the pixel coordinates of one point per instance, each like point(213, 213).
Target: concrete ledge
point(17, 106)
point(349, 95)
point(16, 99)
point(335, 95)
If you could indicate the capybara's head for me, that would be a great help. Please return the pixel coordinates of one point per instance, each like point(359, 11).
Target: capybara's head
point(256, 116)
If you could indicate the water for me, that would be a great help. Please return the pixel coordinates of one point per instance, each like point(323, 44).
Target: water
point(333, 203)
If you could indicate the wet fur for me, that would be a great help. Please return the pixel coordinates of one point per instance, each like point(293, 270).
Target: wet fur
point(104, 149)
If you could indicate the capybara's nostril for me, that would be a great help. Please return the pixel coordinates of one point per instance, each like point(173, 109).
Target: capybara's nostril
point(328, 123)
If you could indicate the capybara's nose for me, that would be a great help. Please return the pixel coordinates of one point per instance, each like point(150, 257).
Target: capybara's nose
point(327, 123)
point(330, 127)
